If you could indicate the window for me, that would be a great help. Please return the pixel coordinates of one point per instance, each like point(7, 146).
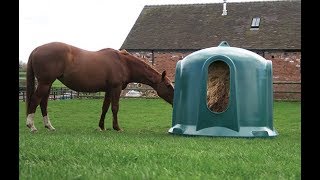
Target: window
point(255, 23)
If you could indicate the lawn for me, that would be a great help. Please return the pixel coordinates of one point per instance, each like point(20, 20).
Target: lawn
point(144, 150)
point(57, 83)
point(22, 74)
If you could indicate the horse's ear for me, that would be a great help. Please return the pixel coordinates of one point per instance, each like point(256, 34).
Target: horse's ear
point(164, 74)
point(123, 51)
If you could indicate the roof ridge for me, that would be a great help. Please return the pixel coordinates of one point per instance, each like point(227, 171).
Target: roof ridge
point(181, 4)
point(157, 5)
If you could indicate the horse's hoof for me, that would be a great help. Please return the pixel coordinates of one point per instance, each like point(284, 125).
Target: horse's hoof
point(50, 128)
point(100, 129)
point(33, 130)
point(119, 130)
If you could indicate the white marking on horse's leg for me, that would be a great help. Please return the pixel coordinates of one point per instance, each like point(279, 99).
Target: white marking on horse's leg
point(47, 123)
point(30, 123)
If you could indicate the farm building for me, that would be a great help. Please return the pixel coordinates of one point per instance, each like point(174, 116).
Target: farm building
point(165, 34)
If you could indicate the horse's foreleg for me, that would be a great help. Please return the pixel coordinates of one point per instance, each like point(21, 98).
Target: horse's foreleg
point(34, 102)
point(115, 96)
point(105, 107)
point(43, 106)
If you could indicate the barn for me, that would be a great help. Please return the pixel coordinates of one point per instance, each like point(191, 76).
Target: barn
point(164, 34)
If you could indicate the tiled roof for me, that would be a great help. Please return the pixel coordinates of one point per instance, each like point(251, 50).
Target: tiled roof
point(198, 26)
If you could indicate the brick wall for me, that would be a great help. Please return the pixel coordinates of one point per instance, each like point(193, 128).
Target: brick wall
point(286, 67)
point(163, 60)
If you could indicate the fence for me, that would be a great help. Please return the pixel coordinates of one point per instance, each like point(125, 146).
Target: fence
point(287, 90)
point(133, 90)
point(282, 91)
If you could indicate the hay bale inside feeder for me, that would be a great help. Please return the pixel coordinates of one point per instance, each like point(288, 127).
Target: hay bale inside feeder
point(223, 91)
point(218, 89)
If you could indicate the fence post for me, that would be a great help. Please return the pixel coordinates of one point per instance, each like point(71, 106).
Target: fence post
point(71, 95)
point(23, 98)
point(50, 92)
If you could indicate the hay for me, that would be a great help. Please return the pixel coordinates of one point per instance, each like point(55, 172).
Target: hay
point(218, 86)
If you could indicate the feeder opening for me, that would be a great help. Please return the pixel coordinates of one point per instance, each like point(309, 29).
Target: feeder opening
point(218, 86)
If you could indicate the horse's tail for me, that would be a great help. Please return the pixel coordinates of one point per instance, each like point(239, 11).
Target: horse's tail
point(30, 82)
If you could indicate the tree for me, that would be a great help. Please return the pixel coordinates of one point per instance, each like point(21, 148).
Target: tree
point(22, 66)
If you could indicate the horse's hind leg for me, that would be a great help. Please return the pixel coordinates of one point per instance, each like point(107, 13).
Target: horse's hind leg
point(36, 98)
point(43, 106)
point(105, 107)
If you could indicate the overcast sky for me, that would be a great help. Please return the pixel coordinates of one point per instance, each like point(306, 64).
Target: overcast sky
point(88, 24)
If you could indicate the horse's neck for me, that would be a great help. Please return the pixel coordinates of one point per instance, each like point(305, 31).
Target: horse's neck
point(145, 74)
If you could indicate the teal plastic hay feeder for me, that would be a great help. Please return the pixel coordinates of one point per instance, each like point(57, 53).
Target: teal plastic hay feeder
point(246, 106)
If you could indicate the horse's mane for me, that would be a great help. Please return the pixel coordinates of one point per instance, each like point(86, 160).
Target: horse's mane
point(148, 66)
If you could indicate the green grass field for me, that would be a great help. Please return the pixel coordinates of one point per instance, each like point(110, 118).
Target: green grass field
point(76, 150)
point(22, 74)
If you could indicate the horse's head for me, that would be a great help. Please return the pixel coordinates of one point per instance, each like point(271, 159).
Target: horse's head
point(165, 88)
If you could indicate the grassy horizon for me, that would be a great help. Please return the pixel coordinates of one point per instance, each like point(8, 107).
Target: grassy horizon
point(145, 150)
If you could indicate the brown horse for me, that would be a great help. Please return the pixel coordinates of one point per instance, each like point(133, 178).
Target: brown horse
point(106, 70)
